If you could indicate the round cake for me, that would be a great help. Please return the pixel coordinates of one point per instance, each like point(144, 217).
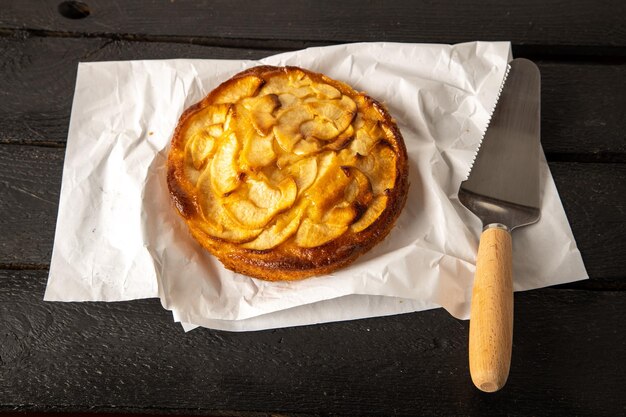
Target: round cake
point(283, 173)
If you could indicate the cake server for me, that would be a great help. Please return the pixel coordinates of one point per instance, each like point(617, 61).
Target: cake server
point(503, 191)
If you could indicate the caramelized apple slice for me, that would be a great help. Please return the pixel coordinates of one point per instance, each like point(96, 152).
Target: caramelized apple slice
point(201, 147)
point(287, 129)
point(380, 167)
point(348, 111)
point(340, 215)
point(262, 204)
point(358, 121)
point(249, 215)
point(319, 128)
point(324, 90)
point(327, 191)
point(218, 230)
point(285, 159)
point(372, 213)
point(263, 122)
point(215, 130)
point(258, 151)
point(372, 110)
point(325, 162)
point(287, 99)
point(216, 221)
point(261, 113)
point(307, 147)
point(360, 189)
point(284, 227)
point(302, 92)
point(213, 114)
point(277, 85)
point(335, 115)
point(217, 113)
point(362, 142)
point(277, 198)
point(224, 172)
point(329, 187)
point(206, 121)
point(304, 172)
point(342, 140)
point(312, 234)
point(298, 78)
point(245, 86)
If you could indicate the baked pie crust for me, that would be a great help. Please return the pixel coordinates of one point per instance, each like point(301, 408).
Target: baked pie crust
point(283, 173)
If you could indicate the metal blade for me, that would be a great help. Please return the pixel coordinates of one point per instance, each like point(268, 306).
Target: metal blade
point(503, 186)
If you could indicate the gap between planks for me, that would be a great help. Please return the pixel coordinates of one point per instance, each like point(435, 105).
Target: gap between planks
point(605, 54)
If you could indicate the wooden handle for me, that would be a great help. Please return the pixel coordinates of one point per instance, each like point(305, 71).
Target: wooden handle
point(491, 316)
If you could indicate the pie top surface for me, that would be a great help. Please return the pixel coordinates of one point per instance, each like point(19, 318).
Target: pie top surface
point(283, 173)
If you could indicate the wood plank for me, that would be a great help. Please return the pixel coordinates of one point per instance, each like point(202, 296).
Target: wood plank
point(568, 360)
point(30, 185)
point(594, 196)
point(274, 22)
point(37, 89)
point(583, 109)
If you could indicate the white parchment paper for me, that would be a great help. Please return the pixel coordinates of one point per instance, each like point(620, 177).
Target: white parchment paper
point(118, 236)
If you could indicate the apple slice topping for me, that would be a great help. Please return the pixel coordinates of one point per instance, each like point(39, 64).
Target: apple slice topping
point(341, 215)
point(290, 159)
point(201, 148)
point(362, 142)
point(324, 90)
point(217, 112)
point(258, 152)
point(287, 129)
point(359, 190)
point(327, 190)
point(304, 172)
point(285, 225)
point(373, 212)
point(216, 221)
point(261, 113)
point(380, 167)
point(287, 100)
point(262, 202)
point(307, 146)
point(245, 86)
point(311, 234)
point(224, 172)
point(333, 117)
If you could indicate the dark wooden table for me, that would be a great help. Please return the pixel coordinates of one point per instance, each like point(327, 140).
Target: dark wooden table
point(570, 341)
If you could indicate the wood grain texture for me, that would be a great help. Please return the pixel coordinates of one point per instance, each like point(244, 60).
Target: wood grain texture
point(583, 111)
point(36, 89)
point(30, 183)
point(532, 22)
point(583, 105)
point(594, 197)
point(491, 317)
point(130, 356)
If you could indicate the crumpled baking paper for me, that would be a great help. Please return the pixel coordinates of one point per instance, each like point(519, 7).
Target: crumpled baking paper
point(118, 236)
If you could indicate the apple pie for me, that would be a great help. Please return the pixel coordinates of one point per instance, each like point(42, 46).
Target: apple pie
point(283, 173)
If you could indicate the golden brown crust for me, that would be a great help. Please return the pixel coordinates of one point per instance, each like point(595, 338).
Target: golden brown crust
point(287, 260)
